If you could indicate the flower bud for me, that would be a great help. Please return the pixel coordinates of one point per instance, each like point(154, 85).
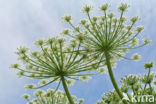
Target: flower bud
point(84, 78)
point(87, 9)
point(139, 29)
point(148, 65)
point(26, 96)
point(39, 42)
point(70, 82)
point(66, 18)
point(16, 65)
point(104, 7)
point(136, 57)
point(123, 7)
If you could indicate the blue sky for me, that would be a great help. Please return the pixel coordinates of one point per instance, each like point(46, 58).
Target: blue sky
point(23, 21)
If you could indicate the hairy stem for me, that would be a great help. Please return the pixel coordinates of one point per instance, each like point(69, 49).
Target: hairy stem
point(113, 78)
point(66, 90)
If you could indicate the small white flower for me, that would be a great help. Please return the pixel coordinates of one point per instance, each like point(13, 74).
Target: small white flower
point(136, 57)
point(104, 7)
point(134, 19)
point(102, 70)
point(146, 41)
point(39, 42)
point(66, 18)
point(22, 50)
point(123, 7)
point(81, 100)
point(30, 86)
point(30, 102)
point(16, 65)
point(139, 29)
point(135, 42)
point(87, 9)
point(26, 96)
point(39, 92)
point(70, 82)
point(20, 73)
point(66, 32)
point(85, 78)
point(43, 82)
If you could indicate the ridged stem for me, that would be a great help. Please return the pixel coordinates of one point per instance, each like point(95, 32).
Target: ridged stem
point(113, 78)
point(67, 91)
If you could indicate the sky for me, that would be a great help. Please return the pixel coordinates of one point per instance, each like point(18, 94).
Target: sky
point(24, 21)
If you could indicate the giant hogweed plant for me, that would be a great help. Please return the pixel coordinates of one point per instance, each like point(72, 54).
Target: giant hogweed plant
point(137, 89)
point(96, 43)
point(56, 61)
point(107, 37)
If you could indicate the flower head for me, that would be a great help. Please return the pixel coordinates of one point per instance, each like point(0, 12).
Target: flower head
point(136, 57)
point(148, 65)
point(30, 86)
point(81, 100)
point(134, 19)
point(139, 29)
point(54, 60)
point(123, 7)
point(102, 70)
point(85, 78)
point(22, 50)
point(147, 78)
point(87, 9)
point(104, 7)
point(39, 42)
point(50, 97)
point(109, 35)
point(70, 82)
point(146, 41)
point(66, 32)
point(26, 96)
point(43, 82)
point(16, 65)
point(66, 18)
point(129, 80)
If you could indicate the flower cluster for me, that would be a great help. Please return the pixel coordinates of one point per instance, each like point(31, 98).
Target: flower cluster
point(107, 37)
point(54, 60)
point(50, 97)
point(97, 42)
point(107, 33)
point(132, 85)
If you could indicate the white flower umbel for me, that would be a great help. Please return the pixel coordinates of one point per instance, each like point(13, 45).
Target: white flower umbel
point(56, 61)
point(108, 37)
point(50, 97)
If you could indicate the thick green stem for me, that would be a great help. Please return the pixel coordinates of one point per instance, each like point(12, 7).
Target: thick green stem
point(66, 90)
point(113, 78)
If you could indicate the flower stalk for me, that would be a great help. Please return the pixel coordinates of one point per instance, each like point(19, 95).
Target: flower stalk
point(112, 77)
point(66, 90)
